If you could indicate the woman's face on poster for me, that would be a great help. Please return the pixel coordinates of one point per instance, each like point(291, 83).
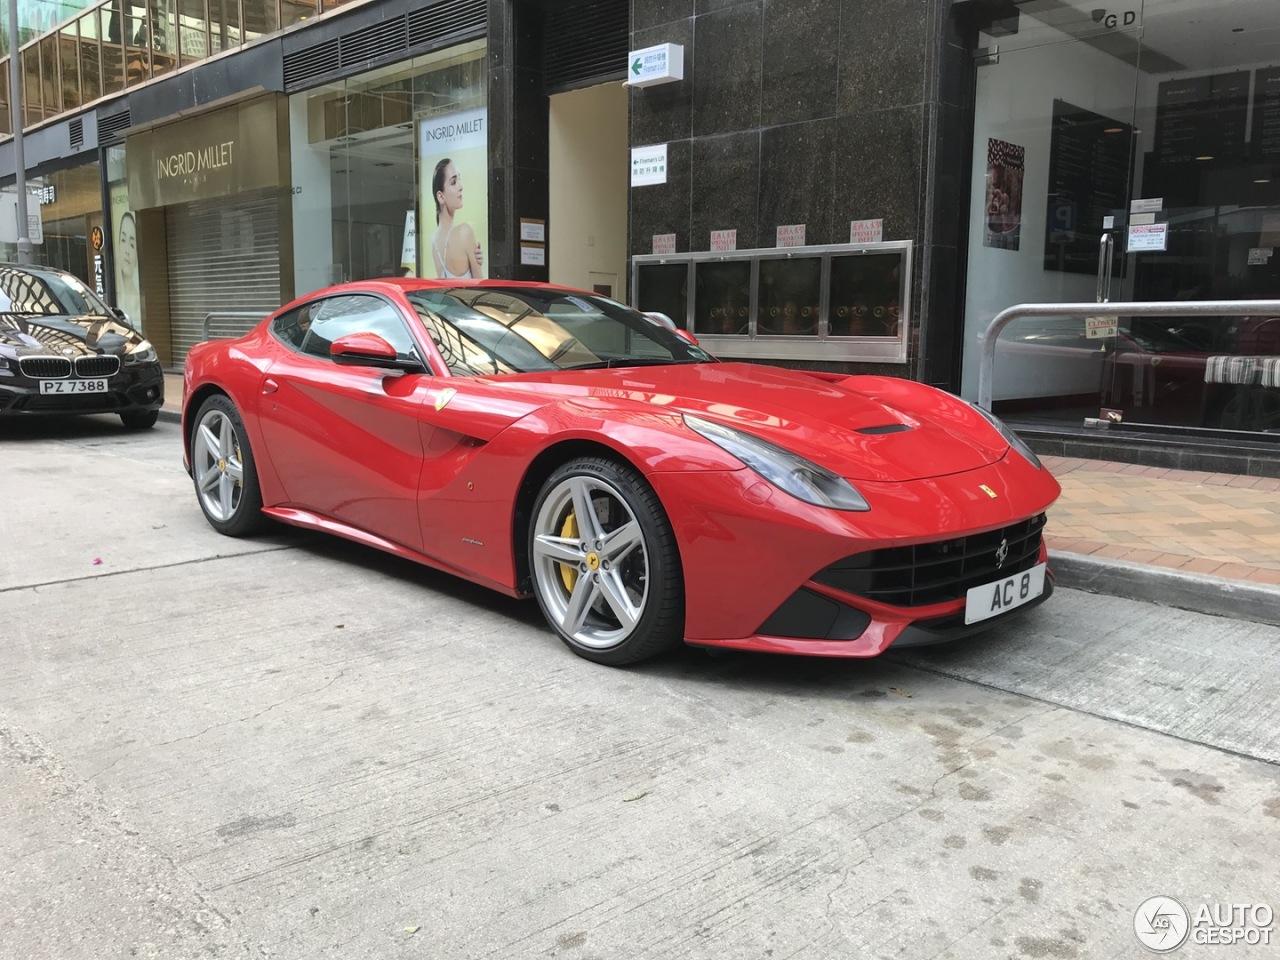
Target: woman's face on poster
point(128, 247)
point(450, 196)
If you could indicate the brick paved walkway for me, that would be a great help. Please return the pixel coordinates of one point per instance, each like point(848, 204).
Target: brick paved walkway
point(1218, 524)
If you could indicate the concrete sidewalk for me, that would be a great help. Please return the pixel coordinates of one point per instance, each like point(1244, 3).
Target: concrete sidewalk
point(1208, 542)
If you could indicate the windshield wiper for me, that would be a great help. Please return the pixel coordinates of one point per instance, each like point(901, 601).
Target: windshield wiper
point(630, 362)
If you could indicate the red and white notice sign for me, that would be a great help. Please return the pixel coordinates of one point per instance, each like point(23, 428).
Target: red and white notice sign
point(866, 231)
point(792, 235)
point(664, 243)
point(723, 241)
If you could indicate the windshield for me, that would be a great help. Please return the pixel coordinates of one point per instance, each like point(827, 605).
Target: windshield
point(488, 330)
point(47, 293)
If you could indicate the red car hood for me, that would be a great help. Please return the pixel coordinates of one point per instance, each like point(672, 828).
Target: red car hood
point(847, 426)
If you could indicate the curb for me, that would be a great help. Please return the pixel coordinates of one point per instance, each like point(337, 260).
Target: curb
point(170, 416)
point(1200, 593)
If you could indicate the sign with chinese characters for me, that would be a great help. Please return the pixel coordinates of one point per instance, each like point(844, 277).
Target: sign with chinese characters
point(648, 165)
point(533, 255)
point(651, 66)
point(1146, 237)
point(1148, 205)
point(1259, 255)
point(664, 243)
point(46, 195)
point(866, 231)
point(723, 241)
point(791, 235)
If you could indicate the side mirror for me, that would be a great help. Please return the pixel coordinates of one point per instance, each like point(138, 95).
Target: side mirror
point(687, 335)
point(662, 318)
point(369, 350)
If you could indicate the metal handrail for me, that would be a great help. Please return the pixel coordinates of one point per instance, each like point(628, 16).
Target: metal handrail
point(228, 315)
point(1152, 308)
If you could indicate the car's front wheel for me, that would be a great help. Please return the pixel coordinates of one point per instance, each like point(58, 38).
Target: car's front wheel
point(604, 562)
point(223, 469)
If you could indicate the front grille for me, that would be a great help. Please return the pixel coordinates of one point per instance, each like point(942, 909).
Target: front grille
point(936, 572)
point(97, 366)
point(45, 368)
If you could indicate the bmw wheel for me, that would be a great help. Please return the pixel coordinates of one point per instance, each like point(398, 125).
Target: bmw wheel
point(223, 470)
point(604, 562)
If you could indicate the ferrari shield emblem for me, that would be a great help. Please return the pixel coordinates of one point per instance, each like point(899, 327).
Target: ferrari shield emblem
point(988, 491)
point(447, 394)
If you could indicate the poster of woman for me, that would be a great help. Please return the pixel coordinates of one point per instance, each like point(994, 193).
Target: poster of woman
point(124, 250)
point(455, 203)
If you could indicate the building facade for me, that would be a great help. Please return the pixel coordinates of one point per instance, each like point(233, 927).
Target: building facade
point(853, 185)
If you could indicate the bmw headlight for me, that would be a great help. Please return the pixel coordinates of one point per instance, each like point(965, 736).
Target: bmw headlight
point(142, 352)
point(801, 478)
point(1015, 441)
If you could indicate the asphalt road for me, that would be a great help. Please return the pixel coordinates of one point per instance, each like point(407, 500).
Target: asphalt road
point(293, 747)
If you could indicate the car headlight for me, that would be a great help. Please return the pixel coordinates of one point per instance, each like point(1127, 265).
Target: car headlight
point(1015, 441)
point(787, 471)
point(142, 352)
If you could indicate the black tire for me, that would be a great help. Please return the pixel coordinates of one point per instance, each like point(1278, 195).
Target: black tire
point(648, 568)
point(244, 517)
point(140, 419)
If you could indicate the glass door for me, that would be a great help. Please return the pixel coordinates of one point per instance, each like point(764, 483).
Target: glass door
point(1053, 157)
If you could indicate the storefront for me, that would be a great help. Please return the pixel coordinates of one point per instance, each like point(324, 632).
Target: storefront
point(1140, 141)
point(198, 210)
point(67, 206)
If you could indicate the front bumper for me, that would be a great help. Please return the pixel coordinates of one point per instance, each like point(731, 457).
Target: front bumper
point(136, 388)
point(754, 558)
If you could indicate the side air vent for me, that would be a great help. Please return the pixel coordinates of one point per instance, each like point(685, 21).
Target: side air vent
point(446, 20)
point(111, 129)
point(386, 42)
point(76, 128)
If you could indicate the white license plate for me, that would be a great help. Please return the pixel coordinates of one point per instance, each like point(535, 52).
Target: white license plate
point(97, 385)
point(993, 599)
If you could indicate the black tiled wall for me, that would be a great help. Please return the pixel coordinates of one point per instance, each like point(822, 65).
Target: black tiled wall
point(817, 112)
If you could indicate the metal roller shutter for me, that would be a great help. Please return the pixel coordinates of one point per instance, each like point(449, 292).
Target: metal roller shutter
point(223, 255)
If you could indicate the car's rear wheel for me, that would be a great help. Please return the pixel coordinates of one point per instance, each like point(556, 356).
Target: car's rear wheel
point(605, 567)
point(223, 469)
point(140, 419)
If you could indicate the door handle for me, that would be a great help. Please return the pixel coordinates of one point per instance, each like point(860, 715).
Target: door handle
point(1105, 247)
point(269, 386)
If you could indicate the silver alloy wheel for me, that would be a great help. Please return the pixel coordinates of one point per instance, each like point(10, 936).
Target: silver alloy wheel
point(217, 465)
point(591, 567)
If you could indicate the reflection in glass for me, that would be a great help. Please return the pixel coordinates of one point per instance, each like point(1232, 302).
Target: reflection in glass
point(50, 77)
point(722, 297)
point(69, 58)
point(90, 52)
point(5, 122)
point(193, 30)
point(789, 297)
point(664, 288)
point(137, 58)
point(865, 295)
point(30, 63)
point(164, 37)
point(261, 17)
point(108, 19)
point(224, 25)
point(295, 11)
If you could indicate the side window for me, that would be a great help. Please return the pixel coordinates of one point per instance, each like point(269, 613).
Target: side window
point(339, 316)
point(291, 328)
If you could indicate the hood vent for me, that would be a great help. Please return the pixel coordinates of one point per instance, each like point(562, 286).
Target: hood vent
point(885, 428)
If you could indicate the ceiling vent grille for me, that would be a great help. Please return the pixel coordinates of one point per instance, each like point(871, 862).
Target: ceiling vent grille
point(319, 60)
point(76, 128)
point(586, 42)
point(373, 44)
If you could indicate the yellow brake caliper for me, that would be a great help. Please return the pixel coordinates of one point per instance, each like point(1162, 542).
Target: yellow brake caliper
point(568, 572)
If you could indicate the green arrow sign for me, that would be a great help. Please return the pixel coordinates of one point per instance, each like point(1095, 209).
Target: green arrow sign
point(635, 67)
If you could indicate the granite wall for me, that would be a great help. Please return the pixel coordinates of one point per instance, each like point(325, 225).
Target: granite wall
point(816, 112)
